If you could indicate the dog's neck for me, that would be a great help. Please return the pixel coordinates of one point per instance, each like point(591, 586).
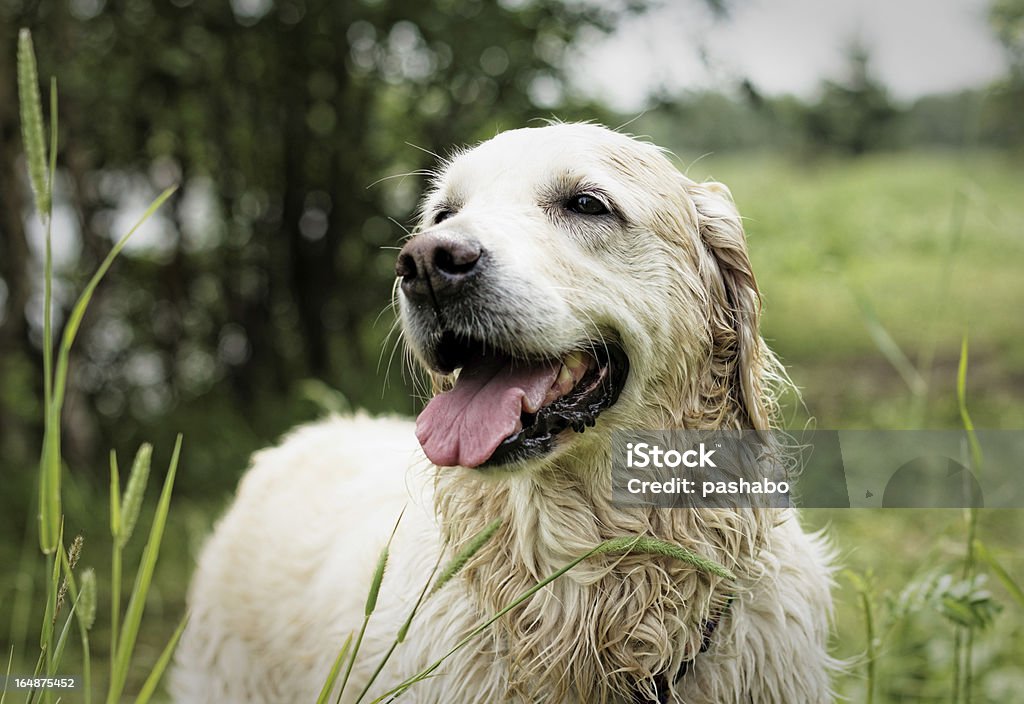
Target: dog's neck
point(615, 620)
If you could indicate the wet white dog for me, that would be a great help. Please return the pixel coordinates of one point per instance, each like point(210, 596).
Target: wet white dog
point(565, 281)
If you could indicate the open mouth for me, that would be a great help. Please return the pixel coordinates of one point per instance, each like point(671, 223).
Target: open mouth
point(504, 409)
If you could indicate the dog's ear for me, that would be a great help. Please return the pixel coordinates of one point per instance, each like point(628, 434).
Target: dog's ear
point(741, 361)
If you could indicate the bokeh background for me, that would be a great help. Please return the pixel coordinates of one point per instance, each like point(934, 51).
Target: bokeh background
point(877, 154)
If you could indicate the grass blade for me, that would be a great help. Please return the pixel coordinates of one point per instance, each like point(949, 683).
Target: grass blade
point(325, 692)
point(965, 416)
point(7, 676)
point(137, 602)
point(1008, 582)
point(149, 687)
point(49, 485)
point(115, 497)
point(889, 348)
point(86, 618)
point(863, 589)
point(78, 312)
point(58, 651)
point(404, 630)
point(115, 558)
point(371, 602)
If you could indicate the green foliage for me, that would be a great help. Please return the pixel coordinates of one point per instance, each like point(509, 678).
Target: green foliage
point(60, 564)
point(143, 579)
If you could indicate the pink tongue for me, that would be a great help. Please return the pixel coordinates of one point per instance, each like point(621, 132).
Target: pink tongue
point(465, 425)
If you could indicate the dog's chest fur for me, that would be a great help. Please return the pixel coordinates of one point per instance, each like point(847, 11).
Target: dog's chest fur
point(614, 625)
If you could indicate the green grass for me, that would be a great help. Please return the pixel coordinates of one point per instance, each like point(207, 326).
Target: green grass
point(822, 234)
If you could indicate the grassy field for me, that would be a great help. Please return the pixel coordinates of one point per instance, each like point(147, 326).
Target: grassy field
point(927, 247)
point(916, 249)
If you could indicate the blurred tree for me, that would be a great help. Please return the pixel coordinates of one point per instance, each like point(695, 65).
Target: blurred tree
point(700, 122)
point(1007, 20)
point(273, 262)
point(855, 115)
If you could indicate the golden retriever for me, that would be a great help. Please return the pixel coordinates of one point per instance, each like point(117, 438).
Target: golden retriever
point(565, 281)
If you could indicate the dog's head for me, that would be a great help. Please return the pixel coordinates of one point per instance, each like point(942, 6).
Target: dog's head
point(567, 276)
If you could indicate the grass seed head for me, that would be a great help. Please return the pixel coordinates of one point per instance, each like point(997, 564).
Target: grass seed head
point(131, 505)
point(87, 599)
point(32, 122)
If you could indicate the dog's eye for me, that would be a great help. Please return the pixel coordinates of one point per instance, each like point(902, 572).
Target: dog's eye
point(443, 215)
point(585, 204)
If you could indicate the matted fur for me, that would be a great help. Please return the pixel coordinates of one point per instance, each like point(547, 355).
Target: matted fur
point(284, 577)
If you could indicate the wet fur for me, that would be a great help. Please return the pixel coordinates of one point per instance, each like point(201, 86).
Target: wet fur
point(283, 579)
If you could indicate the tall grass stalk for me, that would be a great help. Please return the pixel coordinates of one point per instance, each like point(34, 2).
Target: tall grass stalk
point(122, 524)
point(889, 347)
point(918, 376)
point(143, 579)
point(371, 605)
point(155, 674)
point(625, 544)
point(86, 617)
point(115, 556)
point(863, 588)
point(84, 609)
point(964, 644)
point(7, 675)
point(46, 661)
point(332, 676)
point(60, 566)
point(926, 355)
point(472, 547)
point(31, 114)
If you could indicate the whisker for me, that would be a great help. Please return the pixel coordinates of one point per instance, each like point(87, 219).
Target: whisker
point(630, 121)
point(419, 172)
point(405, 229)
point(426, 151)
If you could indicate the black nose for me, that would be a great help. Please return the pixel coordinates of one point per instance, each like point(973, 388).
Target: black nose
point(437, 265)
